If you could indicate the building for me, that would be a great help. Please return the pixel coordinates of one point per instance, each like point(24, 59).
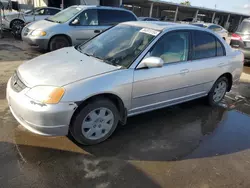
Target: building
point(176, 12)
point(65, 3)
point(155, 8)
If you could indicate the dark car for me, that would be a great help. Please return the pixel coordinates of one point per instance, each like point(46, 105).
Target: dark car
point(241, 39)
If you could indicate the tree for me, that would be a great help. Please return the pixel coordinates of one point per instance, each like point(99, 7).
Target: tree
point(186, 3)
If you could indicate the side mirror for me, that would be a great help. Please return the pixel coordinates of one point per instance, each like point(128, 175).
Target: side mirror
point(76, 21)
point(151, 62)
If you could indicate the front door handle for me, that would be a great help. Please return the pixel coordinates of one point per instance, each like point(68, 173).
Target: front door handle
point(97, 31)
point(184, 71)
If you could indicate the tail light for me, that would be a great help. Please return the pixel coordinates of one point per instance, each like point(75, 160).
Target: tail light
point(236, 37)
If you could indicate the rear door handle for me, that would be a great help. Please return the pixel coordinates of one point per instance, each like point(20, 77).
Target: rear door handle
point(97, 31)
point(184, 71)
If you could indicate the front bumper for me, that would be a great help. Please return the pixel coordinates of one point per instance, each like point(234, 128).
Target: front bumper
point(46, 120)
point(42, 43)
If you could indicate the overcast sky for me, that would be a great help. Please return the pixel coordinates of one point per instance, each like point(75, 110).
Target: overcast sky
point(241, 6)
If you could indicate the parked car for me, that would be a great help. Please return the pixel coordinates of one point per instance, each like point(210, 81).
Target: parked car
point(17, 19)
point(241, 39)
point(73, 26)
point(132, 68)
point(147, 19)
point(191, 19)
point(216, 28)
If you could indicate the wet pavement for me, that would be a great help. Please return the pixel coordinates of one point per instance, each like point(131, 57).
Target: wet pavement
point(189, 145)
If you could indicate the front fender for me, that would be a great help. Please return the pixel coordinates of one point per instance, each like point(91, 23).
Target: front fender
point(118, 83)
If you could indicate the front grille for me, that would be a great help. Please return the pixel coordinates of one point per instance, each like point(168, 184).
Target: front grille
point(16, 84)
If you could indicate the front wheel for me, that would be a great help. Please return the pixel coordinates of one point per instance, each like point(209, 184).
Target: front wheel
point(218, 91)
point(95, 122)
point(58, 42)
point(16, 24)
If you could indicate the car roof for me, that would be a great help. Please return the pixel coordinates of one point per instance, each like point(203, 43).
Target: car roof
point(158, 25)
point(100, 7)
point(47, 7)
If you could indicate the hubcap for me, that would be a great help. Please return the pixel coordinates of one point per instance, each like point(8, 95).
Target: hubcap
point(97, 123)
point(220, 91)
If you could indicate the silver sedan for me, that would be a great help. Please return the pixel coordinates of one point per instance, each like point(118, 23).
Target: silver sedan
point(132, 68)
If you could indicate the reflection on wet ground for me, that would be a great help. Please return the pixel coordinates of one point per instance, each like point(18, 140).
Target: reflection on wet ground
point(187, 145)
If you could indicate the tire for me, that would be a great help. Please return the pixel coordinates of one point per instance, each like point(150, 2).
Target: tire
point(211, 98)
point(16, 23)
point(58, 42)
point(88, 126)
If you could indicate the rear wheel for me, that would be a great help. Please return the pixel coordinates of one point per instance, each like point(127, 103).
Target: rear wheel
point(95, 122)
point(58, 42)
point(218, 91)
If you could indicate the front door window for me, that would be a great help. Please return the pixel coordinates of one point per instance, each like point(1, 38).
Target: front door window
point(172, 47)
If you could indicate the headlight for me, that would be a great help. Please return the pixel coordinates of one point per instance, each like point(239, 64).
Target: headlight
point(38, 33)
point(46, 94)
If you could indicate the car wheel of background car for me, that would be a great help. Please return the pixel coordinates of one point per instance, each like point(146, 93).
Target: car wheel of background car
point(16, 23)
point(58, 42)
point(95, 122)
point(218, 91)
point(16, 28)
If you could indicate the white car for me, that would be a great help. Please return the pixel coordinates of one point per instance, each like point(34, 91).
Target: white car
point(15, 19)
point(132, 68)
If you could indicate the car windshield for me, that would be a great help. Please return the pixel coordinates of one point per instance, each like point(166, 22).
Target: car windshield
point(244, 27)
point(30, 11)
point(119, 45)
point(65, 15)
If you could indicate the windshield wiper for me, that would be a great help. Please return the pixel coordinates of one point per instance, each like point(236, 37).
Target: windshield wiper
point(52, 20)
point(103, 60)
point(49, 20)
point(87, 54)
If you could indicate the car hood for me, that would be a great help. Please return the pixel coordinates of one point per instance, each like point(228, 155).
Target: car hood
point(42, 24)
point(62, 67)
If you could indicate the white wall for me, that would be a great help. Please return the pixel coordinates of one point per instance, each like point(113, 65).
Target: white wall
point(91, 2)
point(37, 3)
point(40, 3)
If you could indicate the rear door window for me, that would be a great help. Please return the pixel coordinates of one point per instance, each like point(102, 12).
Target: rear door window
point(204, 45)
point(113, 17)
point(244, 27)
